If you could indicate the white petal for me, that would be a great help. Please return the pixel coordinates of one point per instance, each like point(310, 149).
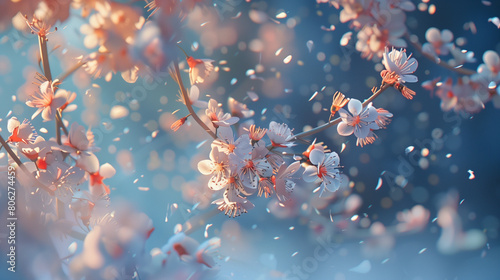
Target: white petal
point(355, 106)
point(344, 129)
point(310, 174)
point(107, 170)
point(316, 156)
point(205, 167)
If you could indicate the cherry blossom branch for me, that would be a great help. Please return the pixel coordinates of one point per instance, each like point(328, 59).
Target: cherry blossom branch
point(414, 42)
point(21, 165)
point(337, 120)
point(188, 104)
point(70, 71)
point(44, 56)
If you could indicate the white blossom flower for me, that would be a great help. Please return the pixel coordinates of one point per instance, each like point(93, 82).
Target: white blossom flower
point(283, 183)
point(359, 121)
point(280, 135)
point(217, 116)
point(46, 101)
point(250, 167)
point(226, 143)
point(20, 132)
point(61, 180)
point(194, 95)
point(325, 168)
point(233, 204)
point(218, 167)
point(397, 62)
point(199, 69)
point(79, 144)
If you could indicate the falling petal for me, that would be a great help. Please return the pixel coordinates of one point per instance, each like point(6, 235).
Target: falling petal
point(379, 184)
point(462, 201)
point(354, 218)
point(206, 230)
point(281, 15)
point(409, 149)
point(177, 228)
point(234, 81)
point(448, 156)
point(317, 189)
point(278, 52)
point(346, 38)
point(43, 130)
point(253, 96)
point(343, 147)
point(495, 21)
point(331, 28)
point(313, 96)
point(287, 59)
point(471, 175)
point(421, 251)
point(144, 189)
point(295, 253)
point(205, 23)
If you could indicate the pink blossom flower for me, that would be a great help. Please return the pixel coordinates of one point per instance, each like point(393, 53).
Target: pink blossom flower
point(402, 65)
point(61, 179)
point(79, 144)
point(46, 101)
point(250, 167)
point(217, 116)
point(325, 167)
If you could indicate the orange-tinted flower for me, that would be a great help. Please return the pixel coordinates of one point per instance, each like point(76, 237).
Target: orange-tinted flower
point(339, 101)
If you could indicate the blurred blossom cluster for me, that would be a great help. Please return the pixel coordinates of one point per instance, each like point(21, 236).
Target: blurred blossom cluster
point(246, 161)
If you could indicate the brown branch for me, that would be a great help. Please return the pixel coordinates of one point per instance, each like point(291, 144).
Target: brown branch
point(44, 56)
point(188, 104)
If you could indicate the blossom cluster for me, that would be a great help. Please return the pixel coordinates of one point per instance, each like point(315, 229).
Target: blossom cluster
point(380, 23)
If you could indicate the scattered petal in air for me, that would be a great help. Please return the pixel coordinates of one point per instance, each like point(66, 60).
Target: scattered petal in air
point(295, 253)
point(379, 184)
point(471, 175)
point(462, 201)
point(234, 81)
point(253, 96)
point(278, 52)
point(343, 147)
point(281, 15)
point(448, 155)
point(287, 59)
point(495, 21)
point(313, 96)
point(486, 3)
point(72, 247)
point(201, 144)
point(310, 45)
point(409, 149)
point(345, 38)
point(421, 251)
point(43, 130)
point(206, 230)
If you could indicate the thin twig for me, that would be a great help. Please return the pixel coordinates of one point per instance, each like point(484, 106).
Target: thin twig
point(440, 62)
point(322, 127)
point(188, 104)
point(21, 165)
point(70, 71)
point(42, 41)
